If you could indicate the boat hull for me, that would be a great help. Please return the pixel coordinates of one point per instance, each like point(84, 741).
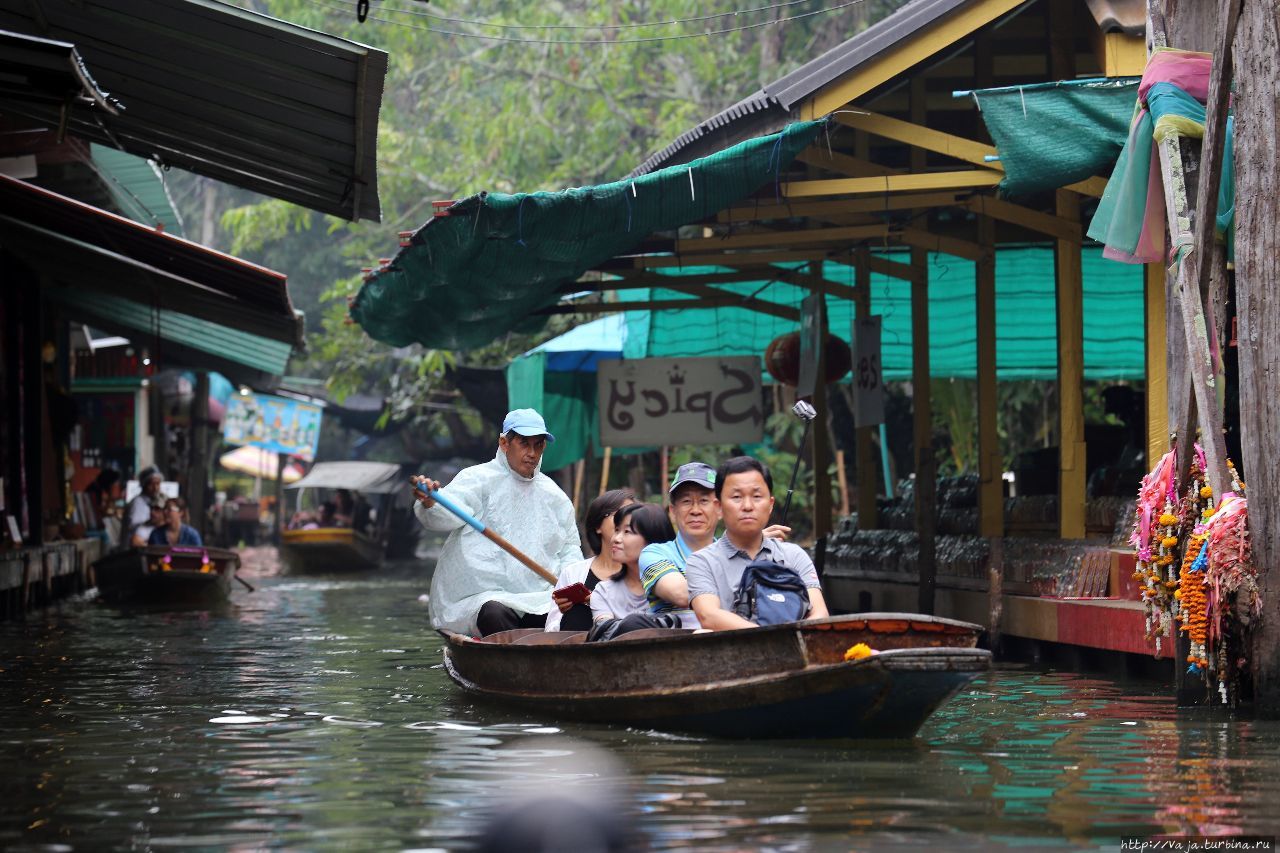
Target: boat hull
point(329, 549)
point(167, 576)
point(776, 682)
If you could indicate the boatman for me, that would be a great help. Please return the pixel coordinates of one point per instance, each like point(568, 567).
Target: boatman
point(478, 588)
point(744, 495)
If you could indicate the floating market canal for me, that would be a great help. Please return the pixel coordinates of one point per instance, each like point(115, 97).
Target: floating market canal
point(314, 714)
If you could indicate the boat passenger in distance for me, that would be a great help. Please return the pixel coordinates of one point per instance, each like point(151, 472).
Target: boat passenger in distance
point(477, 587)
point(695, 513)
point(566, 615)
point(139, 509)
point(175, 531)
point(142, 533)
point(744, 492)
point(619, 605)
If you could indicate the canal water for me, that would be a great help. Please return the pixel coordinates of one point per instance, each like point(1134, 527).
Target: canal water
point(313, 714)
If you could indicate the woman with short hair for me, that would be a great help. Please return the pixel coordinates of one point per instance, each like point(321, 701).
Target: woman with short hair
point(623, 595)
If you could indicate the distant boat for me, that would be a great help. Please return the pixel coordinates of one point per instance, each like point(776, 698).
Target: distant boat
point(781, 681)
point(359, 545)
point(166, 574)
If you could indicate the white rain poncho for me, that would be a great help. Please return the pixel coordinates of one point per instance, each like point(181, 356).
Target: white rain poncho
point(531, 513)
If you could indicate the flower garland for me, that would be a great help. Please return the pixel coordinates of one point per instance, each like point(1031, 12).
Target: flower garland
point(1155, 538)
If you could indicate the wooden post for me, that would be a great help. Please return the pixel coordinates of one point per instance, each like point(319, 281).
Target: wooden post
point(579, 472)
point(282, 461)
point(1257, 260)
point(1071, 447)
point(604, 470)
point(922, 430)
point(990, 459)
point(198, 469)
point(665, 463)
point(844, 483)
point(821, 441)
point(1157, 365)
point(864, 448)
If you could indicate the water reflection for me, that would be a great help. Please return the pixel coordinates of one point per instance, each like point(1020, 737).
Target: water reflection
point(314, 714)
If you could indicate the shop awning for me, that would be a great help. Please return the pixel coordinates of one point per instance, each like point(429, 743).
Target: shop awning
point(223, 92)
point(491, 262)
point(374, 478)
point(215, 309)
point(47, 72)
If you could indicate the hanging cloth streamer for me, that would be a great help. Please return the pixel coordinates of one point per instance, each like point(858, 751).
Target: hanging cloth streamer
point(1130, 221)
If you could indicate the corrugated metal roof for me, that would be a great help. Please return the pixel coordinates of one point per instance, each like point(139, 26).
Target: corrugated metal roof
point(46, 71)
point(1125, 16)
point(129, 278)
point(771, 108)
point(136, 188)
point(227, 93)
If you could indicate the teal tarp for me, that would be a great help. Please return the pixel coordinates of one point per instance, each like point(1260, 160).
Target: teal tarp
point(1049, 135)
point(489, 265)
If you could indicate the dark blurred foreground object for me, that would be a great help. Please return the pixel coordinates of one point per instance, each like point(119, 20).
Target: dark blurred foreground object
point(588, 808)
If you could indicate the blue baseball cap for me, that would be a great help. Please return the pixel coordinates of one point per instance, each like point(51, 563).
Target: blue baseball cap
point(526, 422)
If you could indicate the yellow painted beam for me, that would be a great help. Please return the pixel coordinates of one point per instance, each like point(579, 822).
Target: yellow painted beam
point(919, 238)
point(1123, 55)
point(893, 183)
point(1071, 446)
point(919, 136)
point(831, 207)
point(843, 164)
point(1094, 186)
point(903, 54)
point(1157, 343)
point(990, 459)
point(1016, 214)
point(782, 239)
point(734, 259)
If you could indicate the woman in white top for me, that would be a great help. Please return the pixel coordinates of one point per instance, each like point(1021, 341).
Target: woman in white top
point(566, 615)
point(635, 526)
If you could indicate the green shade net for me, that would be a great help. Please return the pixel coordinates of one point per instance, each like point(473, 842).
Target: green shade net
point(1053, 134)
point(566, 400)
point(495, 260)
point(1026, 312)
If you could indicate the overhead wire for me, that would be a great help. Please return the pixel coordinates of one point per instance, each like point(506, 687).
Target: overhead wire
point(640, 40)
point(671, 22)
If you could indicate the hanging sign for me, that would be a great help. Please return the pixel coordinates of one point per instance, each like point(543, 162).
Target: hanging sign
point(273, 423)
point(812, 341)
point(868, 383)
point(659, 401)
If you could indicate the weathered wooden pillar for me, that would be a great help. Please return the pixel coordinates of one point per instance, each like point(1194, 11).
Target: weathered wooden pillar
point(1257, 259)
point(1155, 341)
point(198, 469)
point(1071, 447)
point(821, 424)
point(864, 448)
point(990, 460)
point(926, 485)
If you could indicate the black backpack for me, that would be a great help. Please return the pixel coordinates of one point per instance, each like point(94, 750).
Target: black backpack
point(770, 594)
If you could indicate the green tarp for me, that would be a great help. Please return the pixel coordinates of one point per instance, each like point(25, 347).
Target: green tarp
point(1026, 312)
point(1049, 135)
point(495, 260)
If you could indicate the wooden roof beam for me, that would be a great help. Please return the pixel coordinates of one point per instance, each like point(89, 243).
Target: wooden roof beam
point(923, 239)
point(782, 239)
point(726, 301)
point(882, 204)
point(965, 179)
point(920, 136)
point(1016, 214)
point(762, 306)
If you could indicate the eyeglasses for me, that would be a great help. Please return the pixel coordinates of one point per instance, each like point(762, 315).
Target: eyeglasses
point(705, 502)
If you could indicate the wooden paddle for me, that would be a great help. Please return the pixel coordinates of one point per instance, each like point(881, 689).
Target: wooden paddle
point(480, 527)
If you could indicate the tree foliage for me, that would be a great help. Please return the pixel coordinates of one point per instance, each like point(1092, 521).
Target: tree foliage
point(461, 114)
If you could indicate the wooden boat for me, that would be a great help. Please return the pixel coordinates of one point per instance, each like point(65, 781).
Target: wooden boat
point(773, 682)
point(330, 549)
point(360, 546)
point(163, 574)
